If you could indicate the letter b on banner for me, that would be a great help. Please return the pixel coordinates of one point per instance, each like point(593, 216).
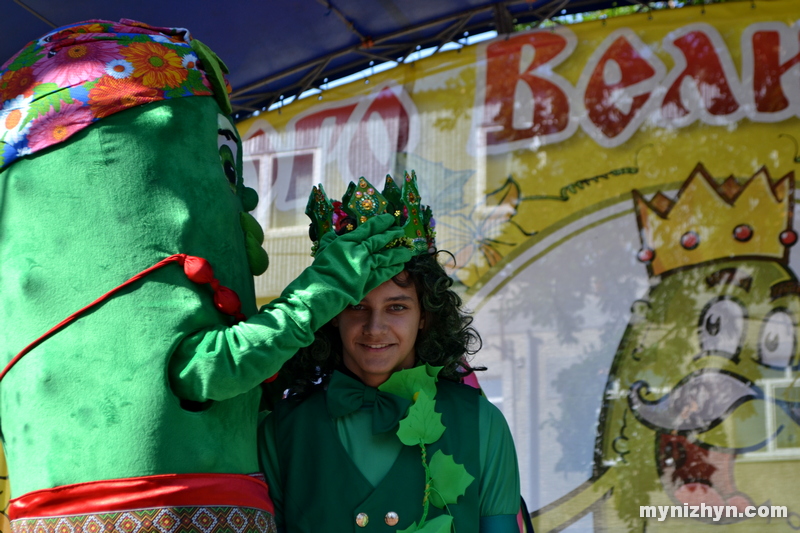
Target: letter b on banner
point(524, 99)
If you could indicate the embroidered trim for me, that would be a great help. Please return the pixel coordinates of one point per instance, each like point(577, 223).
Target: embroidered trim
point(161, 520)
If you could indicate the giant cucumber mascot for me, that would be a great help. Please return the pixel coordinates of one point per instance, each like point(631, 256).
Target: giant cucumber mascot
point(132, 347)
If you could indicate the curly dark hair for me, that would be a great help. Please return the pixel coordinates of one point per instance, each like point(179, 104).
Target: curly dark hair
point(447, 338)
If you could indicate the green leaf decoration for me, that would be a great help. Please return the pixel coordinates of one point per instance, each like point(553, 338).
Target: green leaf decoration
point(440, 524)
point(422, 425)
point(450, 479)
point(410, 529)
point(405, 383)
point(433, 371)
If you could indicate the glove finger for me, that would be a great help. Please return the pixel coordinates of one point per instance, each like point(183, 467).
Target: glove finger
point(379, 240)
point(381, 274)
point(325, 241)
point(399, 255)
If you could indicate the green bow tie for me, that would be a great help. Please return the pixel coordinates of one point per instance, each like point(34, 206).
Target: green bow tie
point(346, 395)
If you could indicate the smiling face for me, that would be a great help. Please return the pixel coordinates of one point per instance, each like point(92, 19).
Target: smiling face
point(378, 334)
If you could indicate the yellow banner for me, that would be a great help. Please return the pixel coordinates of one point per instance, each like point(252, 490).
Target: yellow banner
point(618, 198)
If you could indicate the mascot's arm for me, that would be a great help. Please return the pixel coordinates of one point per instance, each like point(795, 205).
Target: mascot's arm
point(223, 362)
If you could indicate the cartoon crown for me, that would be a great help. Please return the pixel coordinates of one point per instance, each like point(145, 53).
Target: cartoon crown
point(363, 201)
point(710, 220)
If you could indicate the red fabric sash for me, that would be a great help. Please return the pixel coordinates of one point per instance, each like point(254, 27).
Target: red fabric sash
point(196, 269)
point(168, 490)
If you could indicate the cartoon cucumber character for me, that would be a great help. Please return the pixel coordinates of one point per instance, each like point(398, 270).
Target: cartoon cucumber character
point(117, 152)
point(702, 404)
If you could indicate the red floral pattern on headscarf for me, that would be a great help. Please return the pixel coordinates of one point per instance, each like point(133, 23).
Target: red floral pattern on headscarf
point(79, 74)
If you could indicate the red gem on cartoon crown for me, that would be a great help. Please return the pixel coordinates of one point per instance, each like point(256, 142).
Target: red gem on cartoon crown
point(788, 237)
point(645, 255)
point(742, 233)
point(690, 240)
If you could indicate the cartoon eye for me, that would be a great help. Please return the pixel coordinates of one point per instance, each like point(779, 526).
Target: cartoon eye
point(228, 144)
point(228, 161)
point(777, 341)
point(721, 327)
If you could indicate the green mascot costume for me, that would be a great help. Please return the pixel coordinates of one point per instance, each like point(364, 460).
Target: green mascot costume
point(132, 346)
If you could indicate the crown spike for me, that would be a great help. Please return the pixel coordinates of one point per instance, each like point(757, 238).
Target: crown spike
point(395, 198)
point(414, 227)
point(710, 220)
point(319, 209)
point(362, 201)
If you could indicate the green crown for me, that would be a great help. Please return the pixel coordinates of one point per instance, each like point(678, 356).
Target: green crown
point(363, 201)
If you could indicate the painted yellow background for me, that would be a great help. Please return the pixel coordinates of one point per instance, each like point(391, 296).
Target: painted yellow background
point(541, 274)
point(443, 87)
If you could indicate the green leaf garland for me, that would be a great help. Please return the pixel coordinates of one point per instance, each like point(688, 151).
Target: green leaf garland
point(445, 480)
point(422, 424)
point(406, 382)
point(450, 479)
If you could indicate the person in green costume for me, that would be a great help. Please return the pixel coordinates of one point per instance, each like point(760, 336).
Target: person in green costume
point(377, 432)
point(121, 176)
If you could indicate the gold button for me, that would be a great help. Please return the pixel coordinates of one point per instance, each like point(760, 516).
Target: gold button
point(391, 518)
point(362, 519)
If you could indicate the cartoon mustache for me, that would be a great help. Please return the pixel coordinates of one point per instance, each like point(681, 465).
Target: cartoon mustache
point(699, 402)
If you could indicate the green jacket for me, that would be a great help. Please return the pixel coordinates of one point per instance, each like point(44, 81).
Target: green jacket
point(323, 489)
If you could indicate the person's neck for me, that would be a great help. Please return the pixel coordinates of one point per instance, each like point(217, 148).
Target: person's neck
point(347, 372)
point(342, 368)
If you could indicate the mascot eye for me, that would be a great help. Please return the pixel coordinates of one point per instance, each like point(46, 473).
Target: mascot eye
point(228, 164)
point(721, 327)
point(777, 341)
point(228, 144)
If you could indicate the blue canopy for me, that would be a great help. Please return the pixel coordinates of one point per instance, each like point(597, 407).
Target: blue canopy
point(280, 48)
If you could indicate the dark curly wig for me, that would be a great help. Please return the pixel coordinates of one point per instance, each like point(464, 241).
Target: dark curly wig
point(445, 340)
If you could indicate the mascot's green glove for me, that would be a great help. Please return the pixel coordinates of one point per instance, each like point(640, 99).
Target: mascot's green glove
point(345, 269)
point(222, 362)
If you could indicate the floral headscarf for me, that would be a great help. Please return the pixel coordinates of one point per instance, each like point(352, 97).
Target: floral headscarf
point(78, 74)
